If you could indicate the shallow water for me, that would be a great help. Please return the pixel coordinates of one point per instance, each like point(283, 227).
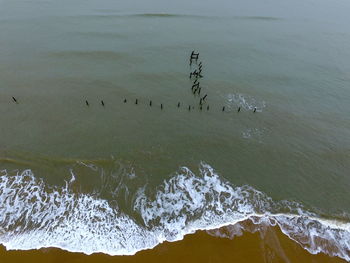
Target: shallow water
point(290, 60)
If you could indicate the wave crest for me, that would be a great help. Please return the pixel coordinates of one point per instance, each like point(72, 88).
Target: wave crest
point(35, 215)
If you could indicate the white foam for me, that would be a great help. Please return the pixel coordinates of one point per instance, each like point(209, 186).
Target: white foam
point(34, 215)
point(253, 133)
point(245, 102)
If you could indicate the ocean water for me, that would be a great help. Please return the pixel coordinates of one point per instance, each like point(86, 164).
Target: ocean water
point(124, 177)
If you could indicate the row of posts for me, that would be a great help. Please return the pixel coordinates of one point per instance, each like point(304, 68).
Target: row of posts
point(196, 88)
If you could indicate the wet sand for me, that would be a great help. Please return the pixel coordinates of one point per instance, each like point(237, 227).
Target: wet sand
point(198, 247)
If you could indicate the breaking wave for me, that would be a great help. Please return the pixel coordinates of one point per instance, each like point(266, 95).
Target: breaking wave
point(110, 14)
point(92, 54)
point(35, 215)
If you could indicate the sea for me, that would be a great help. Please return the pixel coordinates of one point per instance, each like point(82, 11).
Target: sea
point(107, 144)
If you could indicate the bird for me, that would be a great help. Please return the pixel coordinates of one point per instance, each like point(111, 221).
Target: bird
point(14, 99)
point(87, 103)
point(136, 101)
point(178, 105)
point(254, 109)
point(208, 107)
point(195, 85)
point(150, 103)
point(124, 100)
point(189, 107)
point(223, 108)
point(239, 109)
point(102, 102)
point(161, 106)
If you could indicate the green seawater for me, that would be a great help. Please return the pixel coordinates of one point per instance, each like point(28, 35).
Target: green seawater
point(290, 60)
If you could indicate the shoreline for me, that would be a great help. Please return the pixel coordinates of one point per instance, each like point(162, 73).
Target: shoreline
point(201, 246)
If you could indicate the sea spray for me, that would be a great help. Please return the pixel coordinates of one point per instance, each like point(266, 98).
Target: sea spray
point(35, 215)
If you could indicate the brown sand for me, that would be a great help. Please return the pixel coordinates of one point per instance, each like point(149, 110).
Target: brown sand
point(199, 247)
